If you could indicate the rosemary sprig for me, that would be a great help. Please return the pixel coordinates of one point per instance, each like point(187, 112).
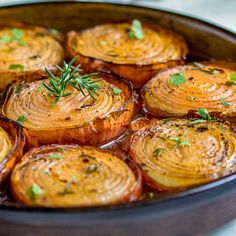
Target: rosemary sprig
point(70, 76)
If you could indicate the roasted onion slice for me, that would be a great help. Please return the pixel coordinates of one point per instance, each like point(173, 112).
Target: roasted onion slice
point(75, 118)
point(109, 46)
point(12, 142)
point(73, 176)
point(25, 51)
point(175, 92)
point(177, 154)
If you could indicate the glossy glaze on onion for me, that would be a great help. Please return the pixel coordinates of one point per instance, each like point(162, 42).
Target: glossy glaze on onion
point(73, 176)
point(109, 46)
point(176, 154)
point(26, 58)
point(12, 142)
point(205, 87)
point(75, 118)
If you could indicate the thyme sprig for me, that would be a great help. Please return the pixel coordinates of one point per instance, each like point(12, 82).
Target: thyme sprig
point(70, 76)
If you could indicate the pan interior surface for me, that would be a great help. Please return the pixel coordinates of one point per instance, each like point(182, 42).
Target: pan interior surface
point(205, 41)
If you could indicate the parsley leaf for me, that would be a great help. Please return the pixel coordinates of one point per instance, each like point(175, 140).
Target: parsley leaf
point(203, 113)
point(116, 90)
point(40, 88)
point(197, 121)
point(55, 156)
point(17, 34)
point(5, 39)
point(21, 119)
point(34, 191)
point(136, 30)
point(223, 102)
point(16, 66)
point(180, 142)
point(232, 80)
point(177, 79)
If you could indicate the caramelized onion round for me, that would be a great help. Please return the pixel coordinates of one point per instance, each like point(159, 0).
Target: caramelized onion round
point(73, 176)
point(75, 118)
point(177, 155)
point(108, 46)
point(12, 142)
point(26, 57)
point(203, 88)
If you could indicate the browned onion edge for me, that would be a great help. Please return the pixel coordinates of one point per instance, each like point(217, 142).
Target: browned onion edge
point(147, 179)
point(191, 113)
point(133, 196)
point(131, 99)
point(35, 74)
point(16, 134)
point(146, 24)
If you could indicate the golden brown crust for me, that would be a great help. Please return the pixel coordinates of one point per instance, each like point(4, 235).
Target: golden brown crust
point(74, 176)
point(203, 88)
point(136, 60)
point(25, 55)
point(17, 141)
point(74, 119)
point(176, 155)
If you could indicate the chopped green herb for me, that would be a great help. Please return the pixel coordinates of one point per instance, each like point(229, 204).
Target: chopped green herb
point(210, 71)
point(203, 113)
point(193, 98)
point(40, 88)
point(197, 121)
point(34, 191)
point(55, 156)
point(222, 128)
point(116, 90)
point(233, 77)
point(232, 80)
point(230, 83)
point(54, 31)
point(223, 102)
point(180, 142)
point(198, 65)
point(177, 79)
point(157, 152)
point(5, 39)
point(136, 30)
point(201, 67)
point(21, 119)
point(17, 34)
point(91, 168)
point(16, 66)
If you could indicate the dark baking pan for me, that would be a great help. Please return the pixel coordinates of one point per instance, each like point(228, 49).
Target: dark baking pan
point(189, 213)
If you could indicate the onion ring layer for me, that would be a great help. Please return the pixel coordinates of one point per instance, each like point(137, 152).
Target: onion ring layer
point(73, 176)
point(203, 88)
point(25, 51)
point(75, 118)
point(176, 155)
point(12, 141)
point(108, 46)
